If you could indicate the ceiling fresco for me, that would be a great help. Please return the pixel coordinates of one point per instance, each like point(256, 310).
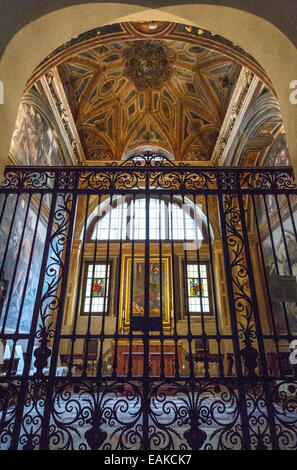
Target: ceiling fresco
point(178, 90)
point(166, 93)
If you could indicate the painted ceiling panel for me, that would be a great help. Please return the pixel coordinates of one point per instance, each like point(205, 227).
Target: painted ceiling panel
point(167, 93)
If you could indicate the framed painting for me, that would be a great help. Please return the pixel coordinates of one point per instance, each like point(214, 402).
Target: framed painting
point(160, 301)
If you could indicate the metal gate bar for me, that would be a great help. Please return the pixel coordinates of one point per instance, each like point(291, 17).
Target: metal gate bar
point(223, 379)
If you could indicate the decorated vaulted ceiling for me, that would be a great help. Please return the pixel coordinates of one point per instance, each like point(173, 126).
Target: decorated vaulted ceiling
point(176, 89)
point(163, 93)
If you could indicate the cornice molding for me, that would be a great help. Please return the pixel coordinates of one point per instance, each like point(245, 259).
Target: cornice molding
point(55, 93)
point(242, 95)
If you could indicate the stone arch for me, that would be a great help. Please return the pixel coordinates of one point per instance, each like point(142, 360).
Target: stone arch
point(260, 38)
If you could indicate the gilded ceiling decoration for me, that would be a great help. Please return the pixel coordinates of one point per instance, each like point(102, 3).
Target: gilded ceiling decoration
point(149, 64)
point(171, 94)
point(150, 27)
point(128, 86)
point(144, 30)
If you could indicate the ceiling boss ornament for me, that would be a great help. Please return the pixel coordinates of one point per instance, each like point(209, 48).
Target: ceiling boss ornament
point(149, 63)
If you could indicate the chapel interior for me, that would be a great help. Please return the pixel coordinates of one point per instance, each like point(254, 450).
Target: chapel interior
point(149, 93)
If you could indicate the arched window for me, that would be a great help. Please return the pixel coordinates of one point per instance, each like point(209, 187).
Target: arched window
point(126, 220)
point(143, 150)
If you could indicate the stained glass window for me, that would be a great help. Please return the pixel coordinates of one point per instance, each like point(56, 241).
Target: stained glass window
point(197, 288)
point(96, 288)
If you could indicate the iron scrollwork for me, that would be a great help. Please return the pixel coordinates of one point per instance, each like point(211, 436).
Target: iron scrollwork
point(240, 281)
point(107, 412)
point(28, 179)
point(194, 415)
point(48, 305)
point(96, 415)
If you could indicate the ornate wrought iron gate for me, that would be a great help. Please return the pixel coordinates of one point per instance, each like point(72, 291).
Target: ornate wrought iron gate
point(151, 373)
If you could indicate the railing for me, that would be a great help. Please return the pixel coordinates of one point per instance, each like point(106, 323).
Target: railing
point(197, 356)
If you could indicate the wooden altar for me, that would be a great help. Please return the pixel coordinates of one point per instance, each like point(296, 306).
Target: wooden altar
point(123, 354)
